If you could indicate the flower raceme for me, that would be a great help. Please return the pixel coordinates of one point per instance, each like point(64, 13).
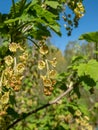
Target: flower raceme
point(12, 74)
point(48, 80)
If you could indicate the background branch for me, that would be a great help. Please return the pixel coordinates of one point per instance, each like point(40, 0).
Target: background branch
point(23, 116)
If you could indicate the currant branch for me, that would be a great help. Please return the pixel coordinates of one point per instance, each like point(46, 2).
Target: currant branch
point(23, 116)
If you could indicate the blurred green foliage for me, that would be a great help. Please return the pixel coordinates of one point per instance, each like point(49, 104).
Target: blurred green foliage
point(23, 103)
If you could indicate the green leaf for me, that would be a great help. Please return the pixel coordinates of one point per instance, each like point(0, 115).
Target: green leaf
point(87, 82)
point(91, 69)
point(17, 9)
point(83, 109)
point(31, 5)
point(96, 105)
point(38, 32)
point(77, 91)
point(12, 99)
point(81, 69)
point(53, 4)
point(76, 59)
point(90, 37)
point(62, 76)
point(45, 17)
point(56, 28)
point(4, 49)
point(12, 112)
point(62, 127)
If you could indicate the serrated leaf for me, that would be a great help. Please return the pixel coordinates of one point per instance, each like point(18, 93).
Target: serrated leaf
point(31, 5)
point(90, 37)
point(81, 69)
point(56, 28)
point(91, 69)
point(87, 82)
point(53, 4)
point(46, 18)
point(44, 13)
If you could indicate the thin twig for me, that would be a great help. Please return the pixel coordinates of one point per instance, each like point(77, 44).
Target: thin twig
point(63, 94)
point(32, 41)
point(15, 63)
point(26, 115)
point(1, 79)
point(70, 87)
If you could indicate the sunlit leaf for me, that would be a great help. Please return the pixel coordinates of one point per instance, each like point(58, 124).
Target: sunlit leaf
point(53, 4)
point(91, 69)
point(90, 37)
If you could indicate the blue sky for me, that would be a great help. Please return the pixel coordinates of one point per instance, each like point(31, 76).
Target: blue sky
point(88, 23)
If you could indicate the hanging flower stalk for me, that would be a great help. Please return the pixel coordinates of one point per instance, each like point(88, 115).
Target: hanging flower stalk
point(48, 79)
point(11, 75)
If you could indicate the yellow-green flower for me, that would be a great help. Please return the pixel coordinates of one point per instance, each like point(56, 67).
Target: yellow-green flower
point(77, 120)
point(8, 60)
point(79, 4)
point(24, 56)
point(78, 113)
point(5, 98)
point(29, 102)
point(20, 67)
point(8, 72)
point(43, 49)
point(52, 73)
point(47, 82)
point(41, 64)
point(2, 113)
point(13, 47)
point(5, 82)
point(43, 77)
point(68, 118)
point(53, 62)
point(87, 118)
